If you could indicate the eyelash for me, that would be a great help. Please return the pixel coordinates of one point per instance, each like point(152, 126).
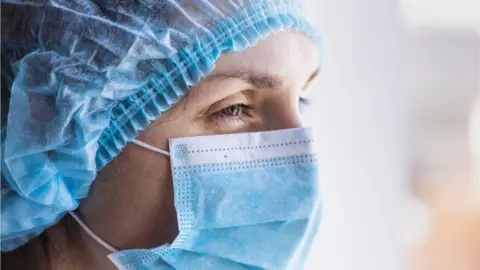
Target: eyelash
point(227, 113)
point(244, 110)
point(304, 101)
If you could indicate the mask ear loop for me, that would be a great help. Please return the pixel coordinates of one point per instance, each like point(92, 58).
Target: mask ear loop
point(85, 227)
point(149, 147)
point(92, 234)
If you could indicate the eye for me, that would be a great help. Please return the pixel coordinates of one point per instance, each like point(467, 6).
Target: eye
point(304, 101)
point(232, 113)
point(232, 116)
point(236, 110)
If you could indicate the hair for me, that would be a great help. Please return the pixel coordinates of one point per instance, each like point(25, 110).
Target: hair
point(37, 254)
point(33, 255)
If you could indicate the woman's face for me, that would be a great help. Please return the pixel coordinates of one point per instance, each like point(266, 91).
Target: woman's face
point(131, 205)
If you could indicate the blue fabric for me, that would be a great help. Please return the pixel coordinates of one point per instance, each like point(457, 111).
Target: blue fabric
point(268, 180)
point(266, 245)
point(256, 207)
point(142, 259)
point(167, 258)
point(84, 77)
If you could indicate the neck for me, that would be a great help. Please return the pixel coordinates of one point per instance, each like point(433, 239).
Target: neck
point(78, 246)
point(64, 246)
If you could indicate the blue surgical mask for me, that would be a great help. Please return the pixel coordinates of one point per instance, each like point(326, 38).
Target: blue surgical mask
point(243, 201)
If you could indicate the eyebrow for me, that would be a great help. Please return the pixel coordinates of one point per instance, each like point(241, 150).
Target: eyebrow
point(257, 81)
point(313, 75)
point(260, 81)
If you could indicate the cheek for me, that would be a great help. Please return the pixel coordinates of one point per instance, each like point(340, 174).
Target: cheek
point(148, 200)
point(132, 204)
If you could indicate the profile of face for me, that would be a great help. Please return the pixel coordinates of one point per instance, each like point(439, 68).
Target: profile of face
point(131, 203)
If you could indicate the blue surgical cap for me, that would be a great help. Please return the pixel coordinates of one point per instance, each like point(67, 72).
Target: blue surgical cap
point(81, 78)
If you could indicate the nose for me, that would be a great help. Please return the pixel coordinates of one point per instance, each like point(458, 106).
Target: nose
point(282, 115)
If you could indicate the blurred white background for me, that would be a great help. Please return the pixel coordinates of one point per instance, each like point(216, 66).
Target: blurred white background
point(392, 110)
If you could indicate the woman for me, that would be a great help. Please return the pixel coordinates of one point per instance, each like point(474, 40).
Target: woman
point(103, 164)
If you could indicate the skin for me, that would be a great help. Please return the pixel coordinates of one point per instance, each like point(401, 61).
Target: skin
point(131, 203)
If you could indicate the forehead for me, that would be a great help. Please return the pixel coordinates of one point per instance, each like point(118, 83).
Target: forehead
point(289, 55)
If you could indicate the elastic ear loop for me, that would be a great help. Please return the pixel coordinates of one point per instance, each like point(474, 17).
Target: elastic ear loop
point(92, 234)
point(149, 147)
point(85, 227)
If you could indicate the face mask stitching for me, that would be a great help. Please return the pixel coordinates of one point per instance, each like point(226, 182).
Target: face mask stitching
point(250, 147)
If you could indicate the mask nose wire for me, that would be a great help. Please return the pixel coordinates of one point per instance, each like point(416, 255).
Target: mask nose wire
point(149, 147)
point(92, 234)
